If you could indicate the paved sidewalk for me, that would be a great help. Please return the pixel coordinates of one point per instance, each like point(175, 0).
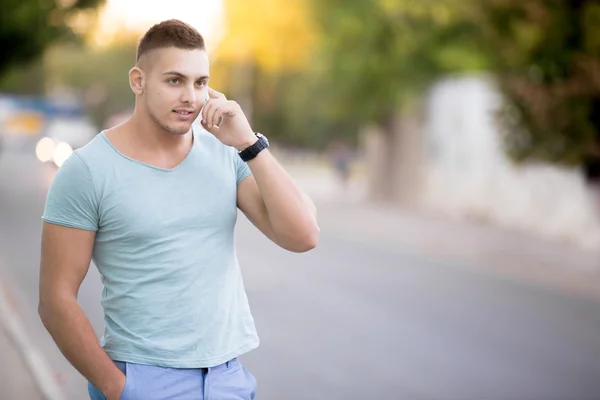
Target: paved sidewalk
point(16, 382)
point(24, 373)
point(487, 247)
point(478, 246)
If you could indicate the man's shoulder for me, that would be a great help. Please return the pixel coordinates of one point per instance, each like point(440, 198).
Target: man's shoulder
point(95, 151)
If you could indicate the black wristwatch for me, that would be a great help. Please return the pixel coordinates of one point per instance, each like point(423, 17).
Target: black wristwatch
point(252, 151)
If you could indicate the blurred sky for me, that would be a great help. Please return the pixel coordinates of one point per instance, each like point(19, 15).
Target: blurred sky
point(139, 15)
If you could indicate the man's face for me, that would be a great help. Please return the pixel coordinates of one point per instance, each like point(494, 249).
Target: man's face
point(175, 87)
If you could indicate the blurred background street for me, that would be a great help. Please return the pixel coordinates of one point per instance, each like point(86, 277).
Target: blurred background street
point(452, 149)
point(390, 305)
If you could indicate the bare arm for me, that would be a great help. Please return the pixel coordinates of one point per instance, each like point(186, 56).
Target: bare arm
point(274, 203)
point(269, 198)
point(65, 259)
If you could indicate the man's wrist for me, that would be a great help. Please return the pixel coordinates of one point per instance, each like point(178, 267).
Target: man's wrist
point(247, 143)
point(116, 390)
point(115, 386)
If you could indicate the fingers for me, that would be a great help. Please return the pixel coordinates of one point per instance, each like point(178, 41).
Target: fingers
point(213, 94)
point(211, 113)
point(212, 108)
point(206, 111)
point(214, 129)
point(215, 109)
point(218, 118)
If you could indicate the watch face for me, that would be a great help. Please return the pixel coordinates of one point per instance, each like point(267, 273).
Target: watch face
point(263, 137)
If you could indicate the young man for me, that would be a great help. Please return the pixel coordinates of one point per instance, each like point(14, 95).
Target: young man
point(154, 203)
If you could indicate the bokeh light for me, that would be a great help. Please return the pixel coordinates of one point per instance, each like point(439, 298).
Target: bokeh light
point(61, 153)
point(44, 150)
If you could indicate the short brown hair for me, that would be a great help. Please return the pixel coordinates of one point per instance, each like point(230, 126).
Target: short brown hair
point(170, 33)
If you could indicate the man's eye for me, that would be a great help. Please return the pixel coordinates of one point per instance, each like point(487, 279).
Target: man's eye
point(174, 81)
point(200, 83)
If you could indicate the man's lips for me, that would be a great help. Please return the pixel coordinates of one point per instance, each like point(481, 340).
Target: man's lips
point(184, 114)
point(184, 111)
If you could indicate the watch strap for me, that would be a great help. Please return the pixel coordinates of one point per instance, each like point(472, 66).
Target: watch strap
point(253, 150)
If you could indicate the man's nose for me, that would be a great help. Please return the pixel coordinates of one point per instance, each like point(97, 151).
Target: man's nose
point(189, 94)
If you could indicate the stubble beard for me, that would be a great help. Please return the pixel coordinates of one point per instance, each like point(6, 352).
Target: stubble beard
point(169, 129)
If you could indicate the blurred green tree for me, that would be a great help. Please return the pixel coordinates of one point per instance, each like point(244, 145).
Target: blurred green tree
point(27, 27)
point(380, 55)
point(547, 58)
point(97, 75)
point(378, 58)
point(316, 70)
point(265, 51)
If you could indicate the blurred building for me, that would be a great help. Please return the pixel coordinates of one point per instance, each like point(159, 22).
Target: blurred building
point(469, 174)
point(451, 159)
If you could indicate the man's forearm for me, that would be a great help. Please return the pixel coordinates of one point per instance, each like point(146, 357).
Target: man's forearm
point(291, 213)
point(73, 333)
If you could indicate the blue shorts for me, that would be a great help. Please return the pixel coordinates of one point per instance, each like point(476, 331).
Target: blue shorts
point(228, 381)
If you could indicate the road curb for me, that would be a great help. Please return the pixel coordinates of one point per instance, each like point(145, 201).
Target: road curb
point(35, 363)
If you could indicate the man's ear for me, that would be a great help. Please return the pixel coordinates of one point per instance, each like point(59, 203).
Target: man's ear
point(137, 81)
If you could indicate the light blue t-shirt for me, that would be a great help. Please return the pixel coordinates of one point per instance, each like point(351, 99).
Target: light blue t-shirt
point(173, 294)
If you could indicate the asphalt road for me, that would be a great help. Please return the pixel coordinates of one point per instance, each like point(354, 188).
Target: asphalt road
point(351, 320)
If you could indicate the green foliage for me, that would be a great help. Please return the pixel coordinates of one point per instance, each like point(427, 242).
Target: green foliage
point(293, 109)
point(25, 80)
point(380, 55)
point(374, 57)
point(27, 27)
point(99, 76)
point(546, 54)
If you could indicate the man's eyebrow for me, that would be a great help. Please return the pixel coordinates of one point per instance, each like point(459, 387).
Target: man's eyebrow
point(179, 74)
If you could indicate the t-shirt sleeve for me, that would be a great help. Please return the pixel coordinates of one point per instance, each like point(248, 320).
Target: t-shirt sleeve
point(72, 199)
point(241, 168)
